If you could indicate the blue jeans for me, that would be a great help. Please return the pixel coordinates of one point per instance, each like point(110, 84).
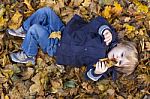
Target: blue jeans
point(38, 27)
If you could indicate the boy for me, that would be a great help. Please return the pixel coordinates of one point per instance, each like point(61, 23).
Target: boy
point(82, 43)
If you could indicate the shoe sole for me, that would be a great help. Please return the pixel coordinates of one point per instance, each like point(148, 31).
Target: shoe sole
point(14, 61)
point(13, 34)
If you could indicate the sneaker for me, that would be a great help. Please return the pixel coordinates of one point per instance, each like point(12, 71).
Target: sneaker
point(19, 32)
point(21, 57)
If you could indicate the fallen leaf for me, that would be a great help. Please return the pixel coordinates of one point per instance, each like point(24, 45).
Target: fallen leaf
point(35, 88)
point(127, 19)
point(2, 23)
point(69, 84)
point(117, 9)
point(27, 2)
point(77, 2)
point(2, 96)
point(107, 12)
point(147, 45)
point(56, 84)
point(129, 27)
point(16, 20)
point(2, 11)
point(105, 2)
point(140, 7)
point(61, 3)
point(87, 87)
point(144, 78)
point(27, 74)
point(6, 97)
point(86, 3)
point(55, 35)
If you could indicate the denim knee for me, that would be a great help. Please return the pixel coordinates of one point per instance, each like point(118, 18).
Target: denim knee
point(38, 30)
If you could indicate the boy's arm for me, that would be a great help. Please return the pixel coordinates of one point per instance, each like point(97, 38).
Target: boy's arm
point(96, 72)
point(104, 25)
point(91, 75)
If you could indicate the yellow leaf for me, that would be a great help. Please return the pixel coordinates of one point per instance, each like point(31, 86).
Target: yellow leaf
point(107, 12)
point(55, 35)
point(6, 97)
point(28, 13)
point(2, 22)
point(8, 73)
point(129, 27)
point(16, 20)
point(109, 63)
point(86, 3)
point(4, 60)
point(27, 2)
point(117, 8)
point(140, 7)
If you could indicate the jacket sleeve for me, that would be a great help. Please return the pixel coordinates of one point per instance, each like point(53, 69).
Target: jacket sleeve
point(91, 75)
point(104, 24)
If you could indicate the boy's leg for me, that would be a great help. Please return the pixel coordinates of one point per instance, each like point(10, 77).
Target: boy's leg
point(37, 36)
point(45, 17)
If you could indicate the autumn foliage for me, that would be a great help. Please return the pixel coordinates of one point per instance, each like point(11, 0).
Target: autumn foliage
point(46, 80)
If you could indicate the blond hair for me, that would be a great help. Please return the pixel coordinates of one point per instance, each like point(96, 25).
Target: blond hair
point(131, 56)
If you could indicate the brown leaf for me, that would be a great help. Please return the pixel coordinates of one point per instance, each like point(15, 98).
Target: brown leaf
point(86, 3)
point(35, 88)
point(16, 20)
point(147, 45)
point(144, 78)
point(27, 74)
point(77, 2)
point(56, 84)
point(87, 87)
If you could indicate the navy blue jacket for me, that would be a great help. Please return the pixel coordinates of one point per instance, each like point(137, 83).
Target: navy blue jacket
point(82, 42)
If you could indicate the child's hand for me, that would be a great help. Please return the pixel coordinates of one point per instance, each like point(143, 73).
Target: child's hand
point(108, 36)
point(100, 68)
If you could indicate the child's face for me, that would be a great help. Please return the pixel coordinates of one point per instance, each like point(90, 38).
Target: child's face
point(118, 53)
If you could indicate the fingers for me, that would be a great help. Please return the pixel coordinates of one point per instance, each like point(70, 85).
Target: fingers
point(108, 40)
point(100, 68)
point(108, 36)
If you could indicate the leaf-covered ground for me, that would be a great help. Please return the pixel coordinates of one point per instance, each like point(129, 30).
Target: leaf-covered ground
point(45, 80)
